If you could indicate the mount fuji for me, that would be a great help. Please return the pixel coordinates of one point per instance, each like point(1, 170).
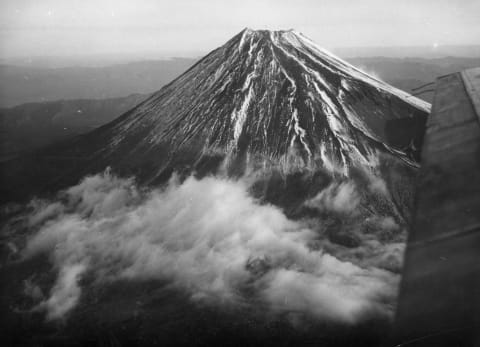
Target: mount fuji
point(267, 103)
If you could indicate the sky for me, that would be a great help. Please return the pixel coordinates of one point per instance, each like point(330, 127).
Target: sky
point(189, 27)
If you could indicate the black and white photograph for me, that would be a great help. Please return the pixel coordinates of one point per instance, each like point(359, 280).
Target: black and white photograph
point(240, 173)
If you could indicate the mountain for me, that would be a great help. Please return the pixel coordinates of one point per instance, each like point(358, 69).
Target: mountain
point(271, 104)
point(266, 94)
point(28, 127)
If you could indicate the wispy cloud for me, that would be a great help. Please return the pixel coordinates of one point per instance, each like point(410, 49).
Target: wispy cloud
point(208, 237)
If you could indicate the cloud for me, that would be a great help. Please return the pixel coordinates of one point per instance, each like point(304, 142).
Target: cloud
point(66, 292)
point(209, 237)
point(338, 197)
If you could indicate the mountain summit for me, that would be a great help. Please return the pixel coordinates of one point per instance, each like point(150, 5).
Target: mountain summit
point(266, 100)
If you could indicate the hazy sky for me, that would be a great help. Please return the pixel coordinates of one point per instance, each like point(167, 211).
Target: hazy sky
point(184, 27)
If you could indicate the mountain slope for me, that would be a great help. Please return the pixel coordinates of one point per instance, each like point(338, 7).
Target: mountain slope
point(266, 101)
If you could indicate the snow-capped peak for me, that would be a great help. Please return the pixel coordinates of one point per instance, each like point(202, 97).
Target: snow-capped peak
point(269, 98)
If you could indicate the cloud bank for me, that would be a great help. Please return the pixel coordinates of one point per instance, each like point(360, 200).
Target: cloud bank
point(208, 237)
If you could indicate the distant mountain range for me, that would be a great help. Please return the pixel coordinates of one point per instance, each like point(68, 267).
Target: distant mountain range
point(427, 52)
point(22, 84)
point(410, 73)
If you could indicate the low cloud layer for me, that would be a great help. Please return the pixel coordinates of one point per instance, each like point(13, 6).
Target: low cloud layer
point(208, 237)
